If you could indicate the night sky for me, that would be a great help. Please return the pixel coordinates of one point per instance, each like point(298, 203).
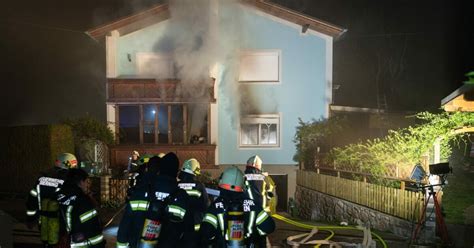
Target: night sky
point(414, 52)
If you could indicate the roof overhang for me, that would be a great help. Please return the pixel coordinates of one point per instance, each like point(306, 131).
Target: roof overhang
point(462, 99)
point(161, 12)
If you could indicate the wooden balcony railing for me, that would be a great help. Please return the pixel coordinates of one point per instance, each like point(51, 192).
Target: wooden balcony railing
point(204, 153)
point(143, 90)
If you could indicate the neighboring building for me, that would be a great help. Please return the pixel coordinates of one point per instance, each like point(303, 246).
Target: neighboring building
point(219, 82)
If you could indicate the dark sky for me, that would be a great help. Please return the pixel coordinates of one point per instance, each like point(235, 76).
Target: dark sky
point(413, 52)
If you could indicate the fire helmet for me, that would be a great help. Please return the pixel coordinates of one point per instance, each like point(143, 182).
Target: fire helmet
point(255, 161)
point(192, 167)
point(136, 153)
point(160, 155)
point(66, 161)
point(232, 179)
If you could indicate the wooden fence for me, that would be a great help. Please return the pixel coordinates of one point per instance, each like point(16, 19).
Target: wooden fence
point(401, 203)
point(118, 190)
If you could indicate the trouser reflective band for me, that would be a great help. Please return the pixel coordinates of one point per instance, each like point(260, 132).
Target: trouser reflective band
point(92, 241)
point(30, 213)
point(122, 245)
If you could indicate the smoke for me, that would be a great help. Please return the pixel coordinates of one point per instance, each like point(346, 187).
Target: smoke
point(200, 39)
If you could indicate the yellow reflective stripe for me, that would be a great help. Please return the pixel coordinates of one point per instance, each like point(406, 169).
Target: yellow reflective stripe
point(139, 205)
point(221, 222)
point(262, 216)
point(30, 213)
point(193, 192)
point(261, 232)
point(122, 245)
point(39, 196)
point(87, 215)
point(92, 241)
point(177, 211)
point(252, 220)
point(68, 218)
point(33, 193)
point(197, 227)
point(211, 219)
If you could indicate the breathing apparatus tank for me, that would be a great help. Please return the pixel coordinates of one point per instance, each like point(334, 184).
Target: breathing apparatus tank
point(235, 233)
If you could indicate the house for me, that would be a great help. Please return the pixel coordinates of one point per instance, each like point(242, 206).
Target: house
point(219, 82)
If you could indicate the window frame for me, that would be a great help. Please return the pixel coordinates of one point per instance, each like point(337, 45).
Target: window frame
point(260, 120)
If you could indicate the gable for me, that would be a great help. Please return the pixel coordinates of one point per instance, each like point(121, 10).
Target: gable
point(161, 12)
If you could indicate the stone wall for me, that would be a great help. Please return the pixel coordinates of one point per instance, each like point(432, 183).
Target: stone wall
point(313, 205)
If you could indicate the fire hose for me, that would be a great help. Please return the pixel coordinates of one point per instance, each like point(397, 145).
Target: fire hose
point(324, 228)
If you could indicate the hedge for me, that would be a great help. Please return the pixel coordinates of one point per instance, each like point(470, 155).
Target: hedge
point(28, 150)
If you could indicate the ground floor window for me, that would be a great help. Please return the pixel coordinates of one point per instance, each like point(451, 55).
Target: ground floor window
point(182, 123)
point(260, 131)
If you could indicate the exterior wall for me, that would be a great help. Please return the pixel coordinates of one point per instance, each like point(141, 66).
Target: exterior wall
point(306, 74)
point(301, 92)
point(149, 39)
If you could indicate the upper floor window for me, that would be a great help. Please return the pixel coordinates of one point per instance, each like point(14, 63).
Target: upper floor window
point(155, 65)
point(260, 131)
point(260, 66)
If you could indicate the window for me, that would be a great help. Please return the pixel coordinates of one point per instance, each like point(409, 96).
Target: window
point(260, 130)
point(163, 123)
point(259, 66)
point(129, 123)
point(155, 65)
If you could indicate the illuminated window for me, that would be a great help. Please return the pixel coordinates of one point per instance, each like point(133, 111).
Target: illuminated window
point(260, 131)
point(260, 66)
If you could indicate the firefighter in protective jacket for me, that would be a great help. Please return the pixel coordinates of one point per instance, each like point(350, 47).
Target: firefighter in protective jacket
point(80, 216)
point(197, 202)
point(154, 214)
point(234, 220)
point(42, 205)
point(258, 187)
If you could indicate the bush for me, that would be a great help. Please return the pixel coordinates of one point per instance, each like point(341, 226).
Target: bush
point(88, 127)
point(30, 150)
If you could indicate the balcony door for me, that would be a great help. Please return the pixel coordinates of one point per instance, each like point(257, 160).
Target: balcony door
point(176, 124)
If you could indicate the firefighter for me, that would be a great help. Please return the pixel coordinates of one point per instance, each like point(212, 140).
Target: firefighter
point(141, 173)
point(258, 186)
point(155, 212)
point(42, 205)
point(133, 161)
point(234, 220)
point(197, 202)
point(80, 216)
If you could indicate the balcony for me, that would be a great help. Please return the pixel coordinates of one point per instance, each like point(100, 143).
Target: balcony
point(204, 153)
point(146, 90)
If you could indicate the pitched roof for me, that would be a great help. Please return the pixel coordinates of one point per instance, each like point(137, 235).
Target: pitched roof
point(160, 12)
point(462, 99)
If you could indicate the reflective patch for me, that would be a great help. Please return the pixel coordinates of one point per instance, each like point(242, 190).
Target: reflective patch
point(31, 213)
point(33, 193)
point(254, 177)
point(50, 182)
point(161, 195)
point(187, 185)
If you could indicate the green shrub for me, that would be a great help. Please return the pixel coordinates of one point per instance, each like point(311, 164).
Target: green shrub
point(88, 127)
point(30, 150)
